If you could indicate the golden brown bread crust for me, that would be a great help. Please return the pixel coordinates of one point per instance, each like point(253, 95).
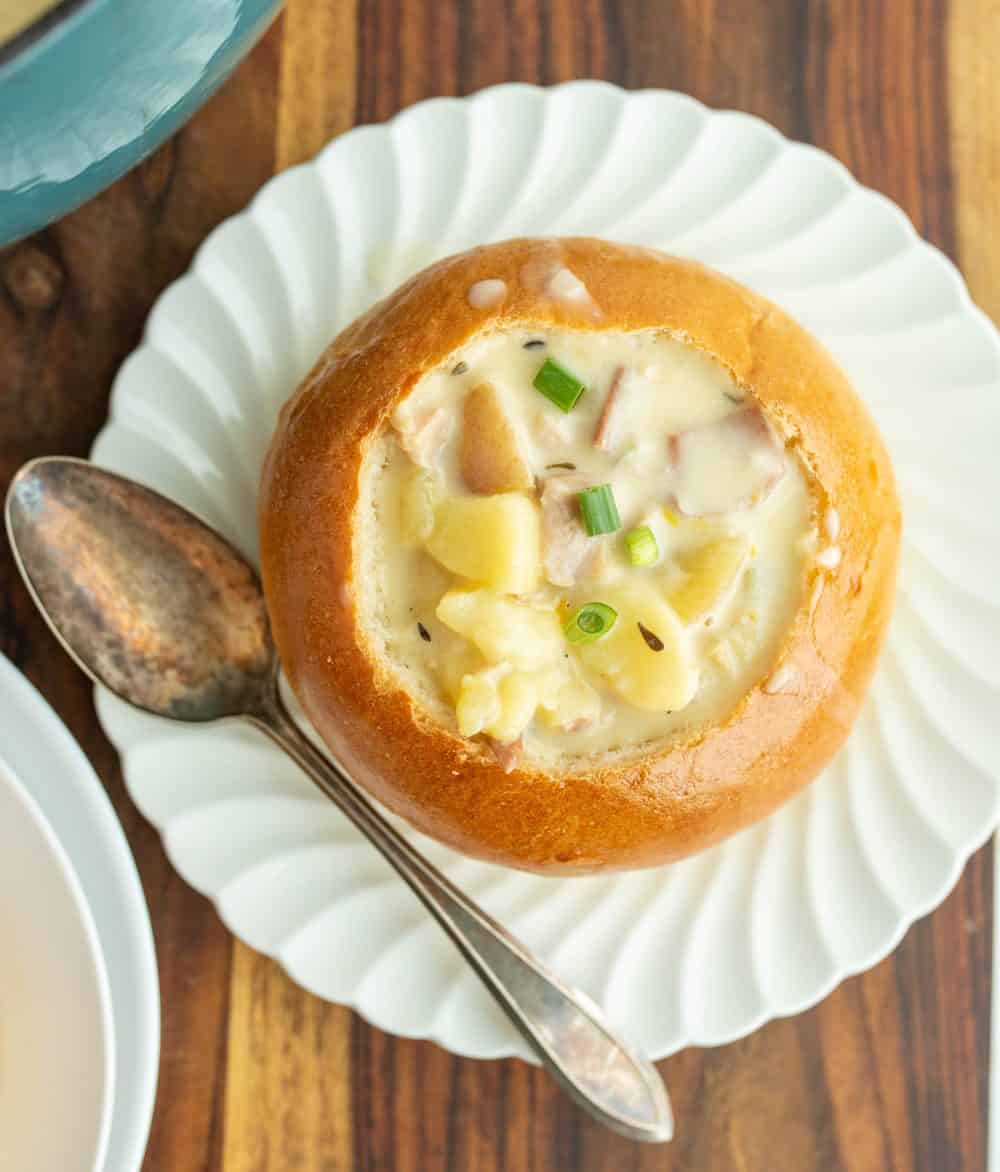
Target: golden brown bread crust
point(674, 801)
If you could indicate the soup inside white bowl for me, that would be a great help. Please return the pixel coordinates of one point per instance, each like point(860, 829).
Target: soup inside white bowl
point(56, 1033)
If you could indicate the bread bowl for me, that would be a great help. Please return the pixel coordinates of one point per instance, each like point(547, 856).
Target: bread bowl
point(610, 658)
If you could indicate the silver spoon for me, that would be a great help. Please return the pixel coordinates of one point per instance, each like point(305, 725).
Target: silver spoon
point(156, 606)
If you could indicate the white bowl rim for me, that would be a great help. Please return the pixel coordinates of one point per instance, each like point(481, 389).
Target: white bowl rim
point(22, 796)
point(85, 805)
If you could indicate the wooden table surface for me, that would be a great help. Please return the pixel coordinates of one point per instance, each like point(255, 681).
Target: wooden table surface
point(890, 1072)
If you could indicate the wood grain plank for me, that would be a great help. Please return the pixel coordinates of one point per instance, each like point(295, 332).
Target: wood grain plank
point(974, 103)
point(875, 96)
point(317, 91)
point(288, 1090)
point(419, 1109)
point(942, 975)
point(860, 1038)
point(730, 56)
point(973, 88)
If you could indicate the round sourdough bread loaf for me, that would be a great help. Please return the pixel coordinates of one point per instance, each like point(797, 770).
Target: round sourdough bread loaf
point(321, 539)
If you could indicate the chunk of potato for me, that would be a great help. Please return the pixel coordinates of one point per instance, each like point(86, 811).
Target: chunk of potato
point(420, 491)
point(504, 630)
point(518, 701)
point(712, 572)
point(502, 702)
point(658, 680)
point(452, 663)
point(567, 701)
point(497, 701)
point(493, 540)
point(478, 707)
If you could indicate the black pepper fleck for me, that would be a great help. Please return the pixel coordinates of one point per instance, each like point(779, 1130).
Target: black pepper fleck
point(653, 642)
point(737, 399)
point(569, 467)
point(424, 633)
point(460, 368)
point(535, 344)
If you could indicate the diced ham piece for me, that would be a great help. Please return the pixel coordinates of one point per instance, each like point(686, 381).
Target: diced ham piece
point(508, 755)
point(729, 465)
point(606, 436)
point(423, 439)
point(598, 560)
point(565, 544)
point(489, 455)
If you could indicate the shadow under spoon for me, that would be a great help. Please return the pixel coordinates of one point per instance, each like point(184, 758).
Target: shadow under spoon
point(157, 607)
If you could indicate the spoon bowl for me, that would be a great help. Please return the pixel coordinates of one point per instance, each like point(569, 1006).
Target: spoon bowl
point(165, 613)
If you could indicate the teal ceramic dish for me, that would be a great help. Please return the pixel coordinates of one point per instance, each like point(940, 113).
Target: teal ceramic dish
point(97, 85)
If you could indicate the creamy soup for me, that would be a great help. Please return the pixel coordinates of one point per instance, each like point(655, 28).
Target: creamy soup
point(588, 541)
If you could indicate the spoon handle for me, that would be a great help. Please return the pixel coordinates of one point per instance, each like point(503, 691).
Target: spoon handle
point(562, 1025)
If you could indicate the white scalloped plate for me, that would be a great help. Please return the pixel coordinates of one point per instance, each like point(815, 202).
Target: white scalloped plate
point(766, 924)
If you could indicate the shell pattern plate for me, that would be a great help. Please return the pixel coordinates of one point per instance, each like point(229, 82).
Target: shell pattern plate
point(702, 951)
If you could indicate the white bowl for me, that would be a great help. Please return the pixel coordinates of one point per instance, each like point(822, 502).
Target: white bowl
point(56, 1034)
point(43, 753)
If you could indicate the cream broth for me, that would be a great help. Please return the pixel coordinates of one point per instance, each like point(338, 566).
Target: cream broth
point(484, 559)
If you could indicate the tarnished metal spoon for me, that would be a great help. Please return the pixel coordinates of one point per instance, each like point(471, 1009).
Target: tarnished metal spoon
point(156, 606)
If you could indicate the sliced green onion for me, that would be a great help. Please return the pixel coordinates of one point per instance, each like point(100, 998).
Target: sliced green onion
point(591, 621)
point(600, 513)
point(558, 385)
point(642, 547)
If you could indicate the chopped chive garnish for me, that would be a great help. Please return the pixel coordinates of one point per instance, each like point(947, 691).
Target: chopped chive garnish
point(642, 547)
point(558, 385)
point(653, 642)
point(590, 622)
point(599, 511)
